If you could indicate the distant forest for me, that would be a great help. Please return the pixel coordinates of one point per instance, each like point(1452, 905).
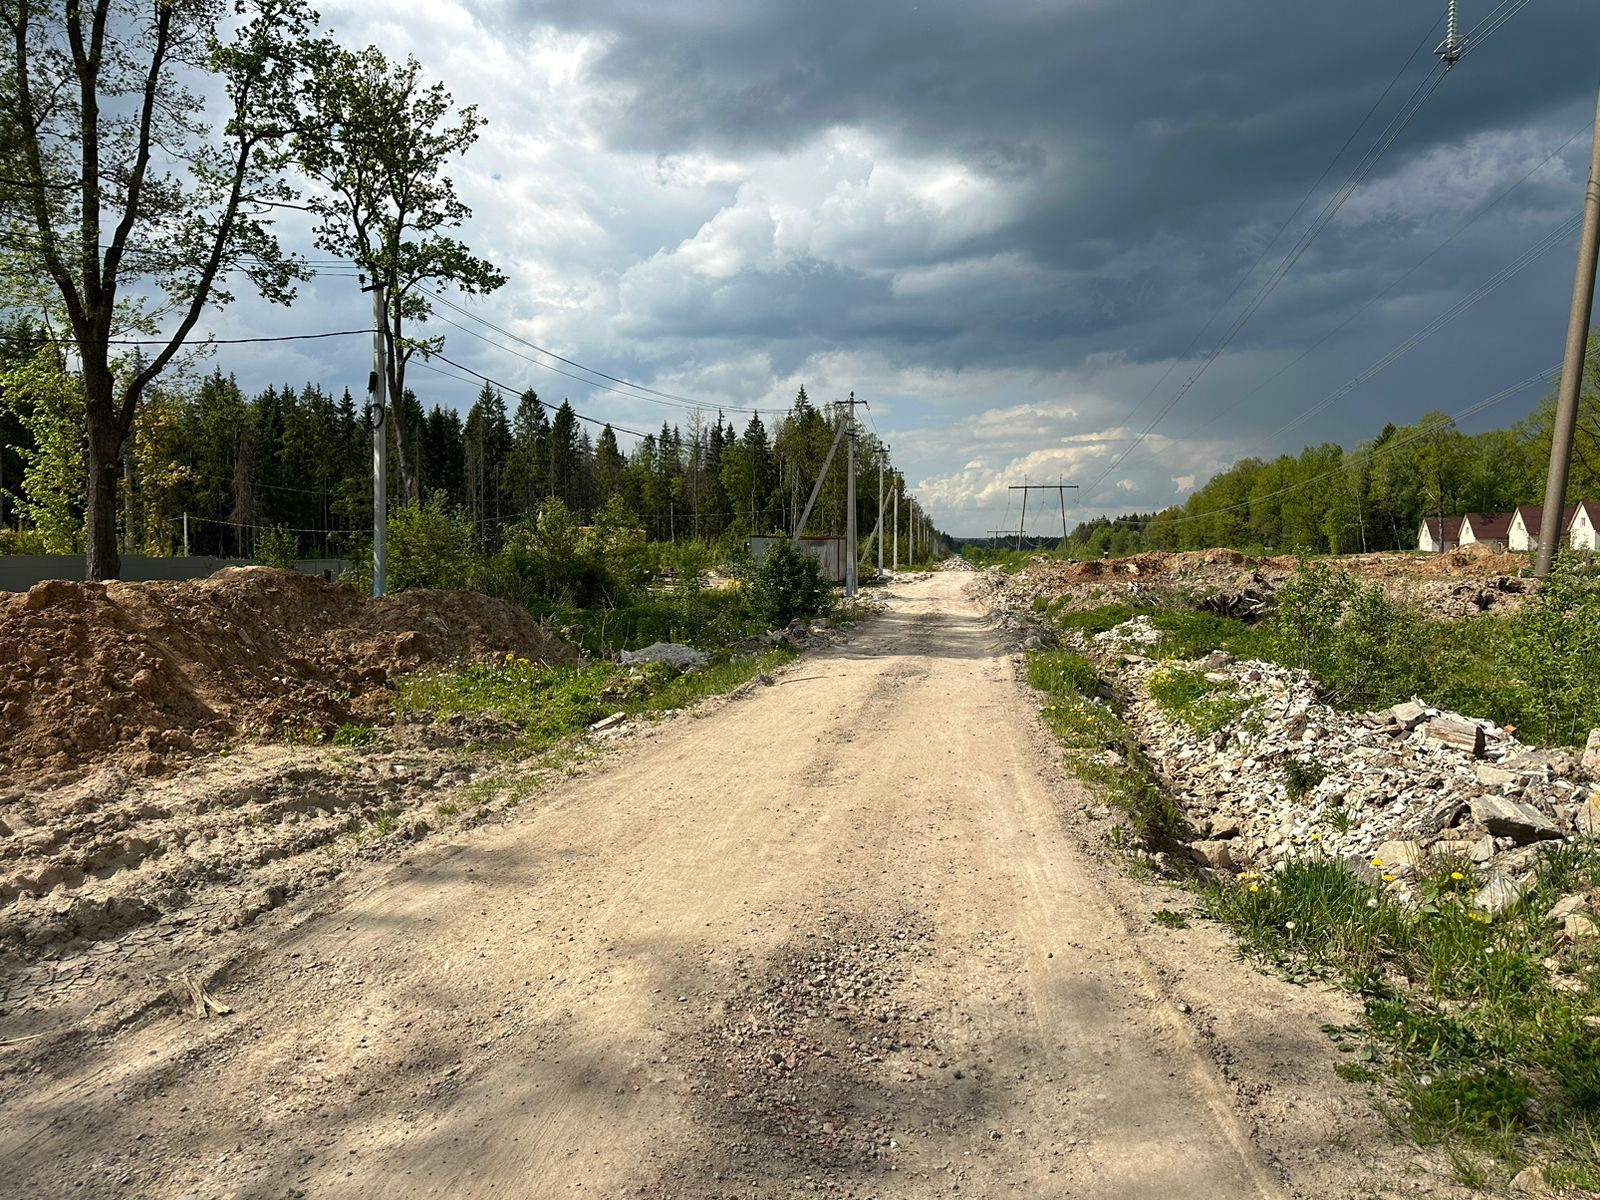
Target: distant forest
point(299, 458)
point(1372, 497)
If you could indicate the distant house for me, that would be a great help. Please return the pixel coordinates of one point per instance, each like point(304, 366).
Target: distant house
point(1433, 539)
point(1492, 530)
point(1580, 524)
point(1583, 531)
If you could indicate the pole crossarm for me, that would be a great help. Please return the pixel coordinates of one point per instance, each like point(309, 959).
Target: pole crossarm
point(1060, 489)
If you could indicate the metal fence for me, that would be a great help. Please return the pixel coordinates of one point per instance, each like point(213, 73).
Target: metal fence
point(19, 572)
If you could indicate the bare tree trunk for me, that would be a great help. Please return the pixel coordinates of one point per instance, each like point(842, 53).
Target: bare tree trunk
point(103, 560)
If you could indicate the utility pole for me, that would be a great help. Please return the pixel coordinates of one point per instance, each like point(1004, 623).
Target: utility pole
point(1555, 489)
point(852, 548)
point(883, 453)
point(899, 498)
point(377, 384)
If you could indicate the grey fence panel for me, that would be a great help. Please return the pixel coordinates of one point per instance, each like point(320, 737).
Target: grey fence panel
point(19, 572)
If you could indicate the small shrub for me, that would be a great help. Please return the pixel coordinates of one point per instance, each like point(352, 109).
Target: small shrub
point(788, 584)
point(432, 545)
point(1203, 706)
point(354, 735)
point(278, 547)
point(1302, 775)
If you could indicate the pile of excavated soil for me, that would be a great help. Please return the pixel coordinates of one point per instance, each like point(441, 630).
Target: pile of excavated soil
point(90, 671)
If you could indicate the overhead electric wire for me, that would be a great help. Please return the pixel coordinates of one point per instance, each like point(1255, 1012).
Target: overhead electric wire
point(646, 391)
point(284, 337)
point(1396, 282)
point(1287, 221)
point(1364, 169)
point(506, 387)
point(1397, 125)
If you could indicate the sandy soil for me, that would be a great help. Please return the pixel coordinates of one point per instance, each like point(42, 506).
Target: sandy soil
point(852, 934)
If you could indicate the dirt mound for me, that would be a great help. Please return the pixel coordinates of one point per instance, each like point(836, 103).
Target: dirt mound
point(92, 670)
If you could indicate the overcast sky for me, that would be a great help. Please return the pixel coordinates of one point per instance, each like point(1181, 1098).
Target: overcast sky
point(1005, 224)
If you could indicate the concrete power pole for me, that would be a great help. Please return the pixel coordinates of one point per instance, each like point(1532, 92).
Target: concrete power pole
point(883, 453)
point(852, 548)
point(1555, 488)
point(899, 498)
point(377, 409)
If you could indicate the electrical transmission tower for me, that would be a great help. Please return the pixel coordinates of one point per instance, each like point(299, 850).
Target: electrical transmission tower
point(1060, 489)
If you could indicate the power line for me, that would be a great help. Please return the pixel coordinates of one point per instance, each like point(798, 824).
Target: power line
point(647, 392)
point(1283, 228)
point(506, 387)
point(287, 337)
point(1459, 230)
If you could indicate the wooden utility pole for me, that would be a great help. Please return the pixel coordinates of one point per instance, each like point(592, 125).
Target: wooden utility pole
point(1555, 488)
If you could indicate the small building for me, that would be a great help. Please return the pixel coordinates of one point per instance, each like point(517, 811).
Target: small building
point(1583, 530)
point(1526, 523)
point(1434, 539)
point(1580, 524)
point(1491, 530)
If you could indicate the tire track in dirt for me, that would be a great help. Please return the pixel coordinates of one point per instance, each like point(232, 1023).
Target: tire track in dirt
point(588, 999)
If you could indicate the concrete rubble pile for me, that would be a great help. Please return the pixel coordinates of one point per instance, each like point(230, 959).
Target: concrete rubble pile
point(1011, 614)
point(1382, 792)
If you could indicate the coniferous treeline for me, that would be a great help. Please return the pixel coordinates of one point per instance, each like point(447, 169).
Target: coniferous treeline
point(300, 459)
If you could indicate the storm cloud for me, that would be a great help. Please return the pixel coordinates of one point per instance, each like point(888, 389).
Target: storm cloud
point(1007, 225)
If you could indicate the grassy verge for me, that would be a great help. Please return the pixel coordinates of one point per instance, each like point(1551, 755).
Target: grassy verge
point(1100, 748)
point(1538, 670)
point(1482, 1034)
point(551, 704)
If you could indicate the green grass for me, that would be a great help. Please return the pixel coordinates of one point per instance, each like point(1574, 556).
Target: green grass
point(551, 704)
point(354, 735)
point(1100, 747)
point(1204, 706)
point(1465, 1028)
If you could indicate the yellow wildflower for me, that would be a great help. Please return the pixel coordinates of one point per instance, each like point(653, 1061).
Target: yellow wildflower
point(1255, 887)
point(1388, 878)
point(1457, 876)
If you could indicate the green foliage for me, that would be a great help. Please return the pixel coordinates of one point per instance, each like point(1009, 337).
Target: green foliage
point(354, 735)
point(788, 584)
point(278, 547)
point(1203, 706)
point(1479, 1028)
point(1302, 775)
point(551, 704)
point(1100, 747)
point(431, 545)
point(1555, 641)
point(1360, 647)
point(48, 403)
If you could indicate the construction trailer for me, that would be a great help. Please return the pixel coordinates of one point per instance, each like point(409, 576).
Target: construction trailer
point(829, 551)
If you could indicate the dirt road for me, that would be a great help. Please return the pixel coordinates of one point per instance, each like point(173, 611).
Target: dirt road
point(843, 935)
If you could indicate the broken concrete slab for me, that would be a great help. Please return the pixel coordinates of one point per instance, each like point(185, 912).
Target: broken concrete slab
point(1507, 818)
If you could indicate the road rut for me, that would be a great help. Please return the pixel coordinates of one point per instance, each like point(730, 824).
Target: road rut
point(832, 936)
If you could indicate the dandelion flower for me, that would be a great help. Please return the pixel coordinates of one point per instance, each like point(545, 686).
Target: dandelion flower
point(1243, 875)
point(1377, 862)
point(1387, 878)
point(1289, 925)
point(1457, 876)
point(1373, 902)
point(1255, 887)
point(1316, 837)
